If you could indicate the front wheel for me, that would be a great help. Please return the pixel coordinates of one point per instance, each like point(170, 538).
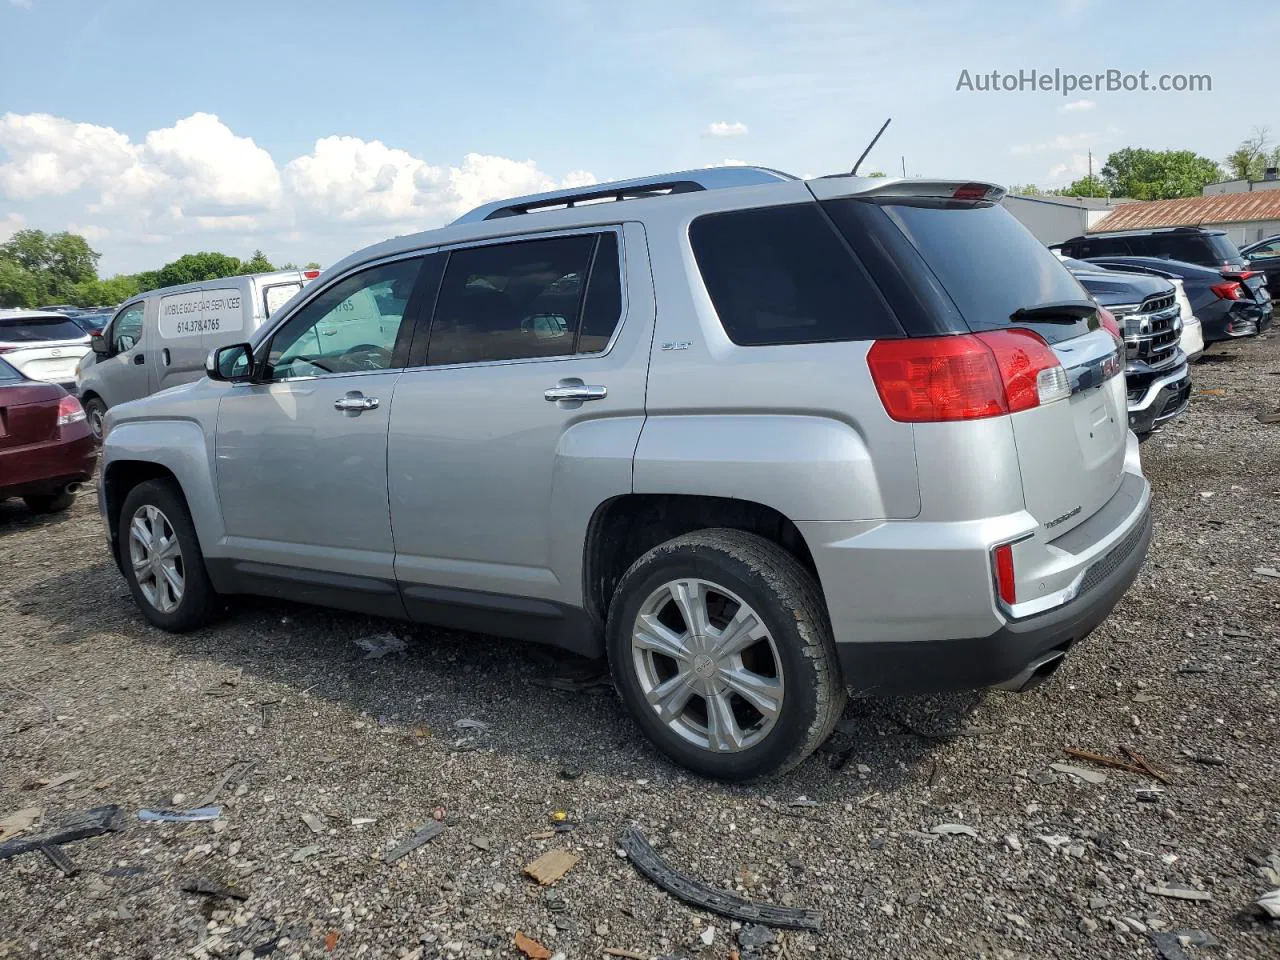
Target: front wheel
point(162, 559)
point(720, 645)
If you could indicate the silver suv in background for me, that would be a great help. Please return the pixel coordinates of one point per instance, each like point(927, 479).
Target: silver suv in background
point(759, 440)
point(160, 338)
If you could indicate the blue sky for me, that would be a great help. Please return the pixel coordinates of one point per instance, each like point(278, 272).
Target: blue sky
point(308, 130)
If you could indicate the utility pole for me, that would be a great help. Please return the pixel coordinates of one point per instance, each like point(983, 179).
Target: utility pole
point(1091, 168)
point(904, 166)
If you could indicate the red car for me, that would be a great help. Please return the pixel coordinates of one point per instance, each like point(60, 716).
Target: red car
point(46, 447)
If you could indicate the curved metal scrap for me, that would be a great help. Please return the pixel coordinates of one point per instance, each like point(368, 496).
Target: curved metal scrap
point(645, 860)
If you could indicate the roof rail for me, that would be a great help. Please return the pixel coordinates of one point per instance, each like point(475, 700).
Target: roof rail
point(686, 181)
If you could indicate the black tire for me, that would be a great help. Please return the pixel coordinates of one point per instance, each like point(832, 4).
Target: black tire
point(199, 604)
point(787, 599)
point(50, 502)
point(94, 411)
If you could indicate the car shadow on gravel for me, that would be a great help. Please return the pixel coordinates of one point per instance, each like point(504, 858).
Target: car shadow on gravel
point(15, 518)
point(546, 705)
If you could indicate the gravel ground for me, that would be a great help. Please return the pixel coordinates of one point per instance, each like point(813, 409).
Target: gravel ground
point(1187, 664)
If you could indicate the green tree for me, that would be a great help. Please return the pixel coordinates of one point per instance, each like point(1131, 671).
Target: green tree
point(1026, 189)
point(1158, 174)
point(193, 267)
point(311, 265)
point(258, 263)
point(108, 292)
point(1249, 160)
point(19, 287)
point(1093, 186)
point(877, 173)
point(56, 261)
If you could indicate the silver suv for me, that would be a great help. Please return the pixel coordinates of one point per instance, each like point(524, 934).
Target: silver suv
point(759, 440)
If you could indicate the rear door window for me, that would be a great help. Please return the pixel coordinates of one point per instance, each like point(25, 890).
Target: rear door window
point(38, 330)
point(990, 265)
point(783, 275)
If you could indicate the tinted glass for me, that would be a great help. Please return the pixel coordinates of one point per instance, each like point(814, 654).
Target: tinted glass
point(782, 275)
point(91, 321)
point(603, 307)
point(350, 327)
point(511, 301)
point(1223, 247)
point(9, 373)
point(38, 330)
point(989, 264)
point(1267, 251)
point(127, 330)
point(275, 297)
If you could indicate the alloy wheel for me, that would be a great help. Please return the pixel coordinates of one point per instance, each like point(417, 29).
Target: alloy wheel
point(156, 556)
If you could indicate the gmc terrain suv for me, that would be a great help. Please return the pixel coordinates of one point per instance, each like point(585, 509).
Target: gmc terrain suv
point(759, 440)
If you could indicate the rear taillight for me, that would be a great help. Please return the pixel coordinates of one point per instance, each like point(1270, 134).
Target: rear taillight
point(1002, 567)
point(69, 411)
point(311, 274)
point(1230, 290)
point(1112, 326)
point(4, 349)
point(966, 377)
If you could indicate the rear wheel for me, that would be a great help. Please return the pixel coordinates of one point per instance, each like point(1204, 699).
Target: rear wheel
point(94, 411)
point(720, 646)
point(162, 559)
point(50, 503)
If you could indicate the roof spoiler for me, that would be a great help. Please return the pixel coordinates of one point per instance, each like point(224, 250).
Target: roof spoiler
point(842, 185)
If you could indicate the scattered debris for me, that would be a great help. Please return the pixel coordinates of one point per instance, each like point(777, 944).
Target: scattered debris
point(953, 829)
point(1270, 904)
point(1178, 893)
point(478, 726)
point(570, 771)
point(708, 936)
point(1193, 668)
point(1054, 840)
point(314, 823)
point(1267, 572)
point(428, 831)
point(1273, 417)
point(1080, 773)
point(648, 863)
point(302, 853)
point(59, 859)
point(237, 771)
point(1167, 947)
point(560, 816)
point(1208, 759)
point(754, 937)
point(80, 826)
point(626, 954)
point(1137, 758)
point(378, 645)
point(531, 948)
point(208, 887)
point(551, 866)
point(18, 822)
point(331, 940)
point(438, 814)
point(180, 816)
point(541, 835)
point(1013, 843)
point(1103, 761)
point(60, 780)
point(1196, 938)
point(363, 821)
point(803, 801)
point(1149, 794)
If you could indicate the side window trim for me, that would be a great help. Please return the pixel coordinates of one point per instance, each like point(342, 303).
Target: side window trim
point(418, 360)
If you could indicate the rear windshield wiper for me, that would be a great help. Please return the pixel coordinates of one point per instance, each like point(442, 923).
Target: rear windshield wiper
point(1068, 311)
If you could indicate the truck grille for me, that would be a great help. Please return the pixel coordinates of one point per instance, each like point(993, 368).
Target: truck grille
point(1152, 332)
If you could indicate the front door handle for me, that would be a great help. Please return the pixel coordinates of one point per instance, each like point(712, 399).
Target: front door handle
point(355, 402)
point(575, 389)
point(164, 355)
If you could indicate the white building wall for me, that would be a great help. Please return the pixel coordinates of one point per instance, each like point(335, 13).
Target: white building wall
point(1245, 233)
point(1239, 186)
point(1050, 222)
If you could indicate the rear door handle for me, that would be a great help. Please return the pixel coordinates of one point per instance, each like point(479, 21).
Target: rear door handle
point(571, 390)
point(355, 402)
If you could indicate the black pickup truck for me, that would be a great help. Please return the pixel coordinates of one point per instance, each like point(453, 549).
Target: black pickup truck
point(1156, 374)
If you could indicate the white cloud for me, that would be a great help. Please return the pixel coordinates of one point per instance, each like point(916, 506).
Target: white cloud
point(1077, 166)
point(23, 4)
point(722, 129)
point(1064, 141)
point(1076, 106)
point(199, 177)
point(11, 224)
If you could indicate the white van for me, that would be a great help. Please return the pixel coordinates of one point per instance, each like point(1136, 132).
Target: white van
point(160, 339)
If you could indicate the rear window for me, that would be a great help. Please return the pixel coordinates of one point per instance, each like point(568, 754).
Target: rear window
point(276, 296)
point(35, 331)
point(782, 275)
point(989, 264)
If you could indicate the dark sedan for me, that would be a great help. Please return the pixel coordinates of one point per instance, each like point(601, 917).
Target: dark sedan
point(46, 448)
point(1229, 303)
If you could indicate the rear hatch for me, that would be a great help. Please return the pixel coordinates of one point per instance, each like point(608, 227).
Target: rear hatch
point(43, 348)
point(988, 270)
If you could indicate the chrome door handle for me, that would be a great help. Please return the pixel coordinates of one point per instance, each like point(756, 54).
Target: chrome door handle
point(575, 391)
point(355, 401)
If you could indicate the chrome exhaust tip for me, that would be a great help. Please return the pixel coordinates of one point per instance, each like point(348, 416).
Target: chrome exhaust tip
point(1035, 673)
point(73, 487)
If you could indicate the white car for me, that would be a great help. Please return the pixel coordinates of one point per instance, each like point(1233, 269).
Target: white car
point(1192, 340)
point(43, 345)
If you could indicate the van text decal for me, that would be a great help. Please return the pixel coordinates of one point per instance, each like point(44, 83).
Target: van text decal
point(200, 312)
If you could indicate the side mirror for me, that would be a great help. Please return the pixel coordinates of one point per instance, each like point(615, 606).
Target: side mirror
point(233, 364)
point(98, 343)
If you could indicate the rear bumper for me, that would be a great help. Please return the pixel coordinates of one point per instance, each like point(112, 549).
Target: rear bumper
point(1163, 397)
point(43, 468)
point(935, 666)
